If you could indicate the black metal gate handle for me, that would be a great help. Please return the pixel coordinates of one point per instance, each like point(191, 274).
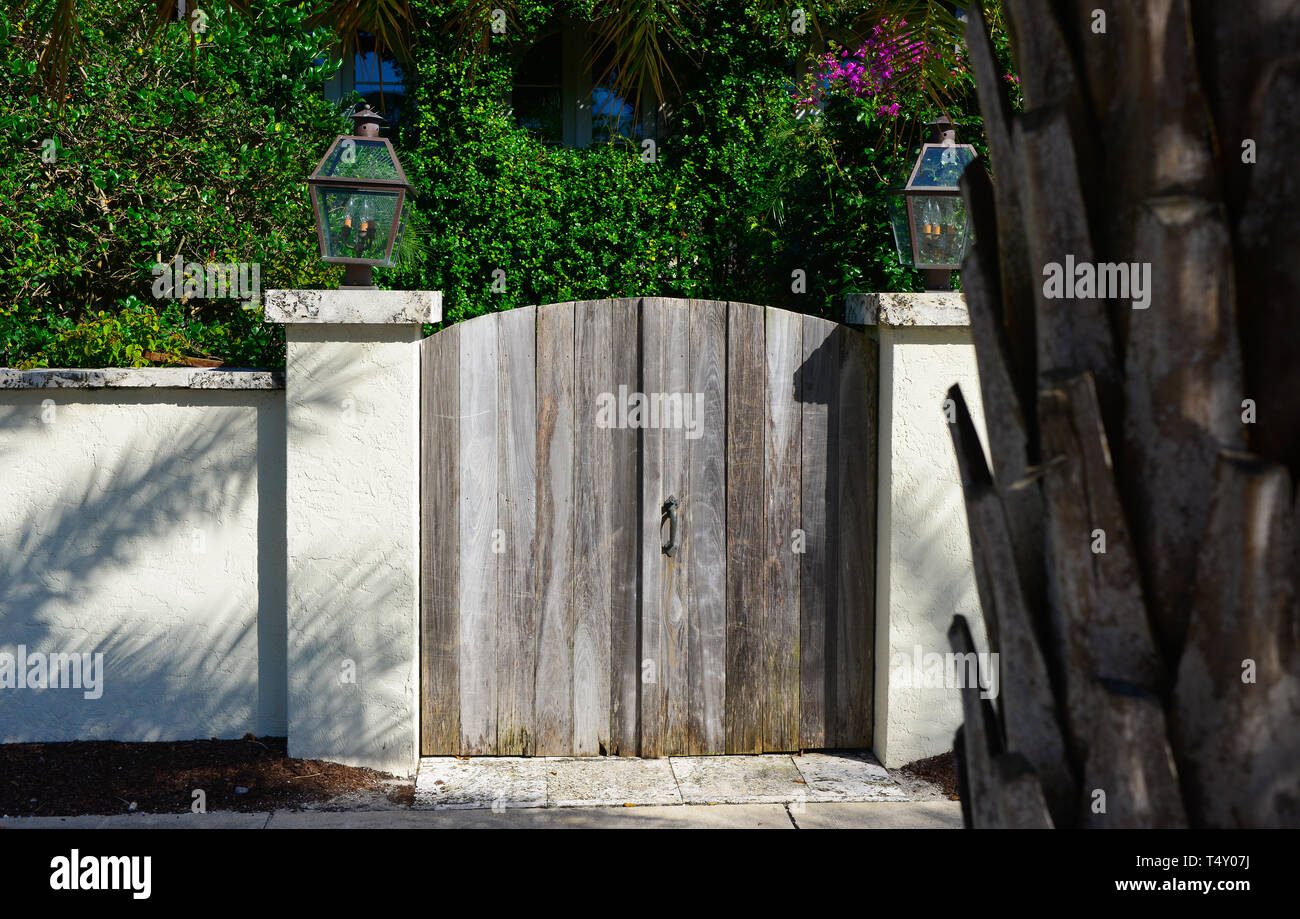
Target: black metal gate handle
point(670, 511)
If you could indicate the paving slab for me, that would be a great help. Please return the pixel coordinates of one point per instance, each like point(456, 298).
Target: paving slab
point(738, 779)
point(485, 781)
point(217, 820)
point(723, 816)
point(883, 815)
point(595, 781)
point(847, 777)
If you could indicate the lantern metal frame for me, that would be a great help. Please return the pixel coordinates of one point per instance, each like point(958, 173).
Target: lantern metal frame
point(365, 130)
point(943, 136)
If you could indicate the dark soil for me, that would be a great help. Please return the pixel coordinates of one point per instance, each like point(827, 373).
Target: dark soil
point(941, 770)
point(107, 777)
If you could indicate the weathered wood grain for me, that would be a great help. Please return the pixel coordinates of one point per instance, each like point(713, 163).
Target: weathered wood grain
point(1101, 621)
point(1007, 398)
point(818, 397)
point(1021, 804)
point(517, 520)
point(781, 568)
point(440, 543)
point(478, 521)
point(1235, 720)
point(665, 598)
point(1149, 61)
point(1074, 333)
point(981, 740)
point(551, 568)
point(746, 536)
point(592, 535)
point(1182, 391)
point(625, 515)
point(963, 778)
point(1134, 767)
point(1048, 77)
point(553, 705)
point(1017, 281)
point(855, 437)
point(1157, 172)
point(1028, 706)
point(1246, 91)
point(704, 518)
point(1007, 392)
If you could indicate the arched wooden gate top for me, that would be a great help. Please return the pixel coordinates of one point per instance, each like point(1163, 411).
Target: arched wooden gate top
point(553, 620)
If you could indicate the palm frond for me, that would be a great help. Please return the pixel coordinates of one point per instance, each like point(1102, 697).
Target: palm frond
point(165, 11)
point(389, 21)
point(634, 35)
point(57, 25)
point(471, 26)
point(56, 22)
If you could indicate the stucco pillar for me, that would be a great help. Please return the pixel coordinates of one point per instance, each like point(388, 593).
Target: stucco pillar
point(923, 557)
point(352, 408)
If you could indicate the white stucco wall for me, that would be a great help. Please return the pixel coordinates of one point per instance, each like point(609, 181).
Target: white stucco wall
point(352, 397)
point(924, 569)
point(142, 517)
point(247, 559)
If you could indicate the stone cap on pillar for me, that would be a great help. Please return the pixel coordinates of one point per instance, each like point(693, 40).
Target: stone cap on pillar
point(934, 308)
point(369, 307)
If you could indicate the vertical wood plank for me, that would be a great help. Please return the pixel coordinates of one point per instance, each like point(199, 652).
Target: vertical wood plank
point(439, 543)
point(664, 615)
point(595, 413)
point(625, 537)
point(855, 437)
point(781, 580)
point(516, 518)
point(704, 520)
point(818, 493)
point(478, 518)
point(746, 536)
point(553, 705)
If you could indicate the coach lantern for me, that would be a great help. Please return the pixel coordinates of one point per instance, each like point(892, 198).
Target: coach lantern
point(358, 194)
point(931, 229)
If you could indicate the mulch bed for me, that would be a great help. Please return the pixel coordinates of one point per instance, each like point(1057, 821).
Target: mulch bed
point(941, 770)
point(108, 777)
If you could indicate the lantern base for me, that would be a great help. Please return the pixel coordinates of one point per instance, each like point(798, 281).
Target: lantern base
point(937, 278)
point(358, 277)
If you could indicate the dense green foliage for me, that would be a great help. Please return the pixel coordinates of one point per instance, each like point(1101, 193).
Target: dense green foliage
point(743, 193)
point(163, 151)
point(157, 153)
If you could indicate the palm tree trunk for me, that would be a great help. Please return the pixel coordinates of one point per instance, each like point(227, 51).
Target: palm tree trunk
point(1135, 544)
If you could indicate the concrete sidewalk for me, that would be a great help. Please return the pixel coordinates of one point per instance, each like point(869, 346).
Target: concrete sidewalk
point(559, 781)
point(767, 791)
point(856, 815)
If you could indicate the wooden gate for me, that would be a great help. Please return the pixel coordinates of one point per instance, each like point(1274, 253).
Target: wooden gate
point(553, 619)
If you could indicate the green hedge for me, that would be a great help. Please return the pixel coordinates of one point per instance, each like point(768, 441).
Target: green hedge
point(743, 192)
point(159, 155)
point(153, 159)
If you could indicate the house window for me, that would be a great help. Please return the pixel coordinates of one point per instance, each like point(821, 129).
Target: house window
point(537, 96)
point(378, 78)
point(612, 113)
point(553, 95)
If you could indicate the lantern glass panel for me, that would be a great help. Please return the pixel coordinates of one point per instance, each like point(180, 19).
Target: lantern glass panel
point(940, 225)
point(360, 158)
point(898, 221)
point(358, 224)
point(941, 166)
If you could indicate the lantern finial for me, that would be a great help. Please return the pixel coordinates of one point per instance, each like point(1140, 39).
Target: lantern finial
point(365, 121)
point(941, 131)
